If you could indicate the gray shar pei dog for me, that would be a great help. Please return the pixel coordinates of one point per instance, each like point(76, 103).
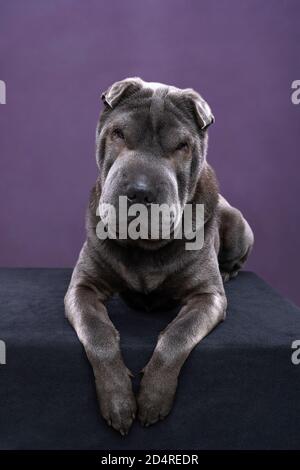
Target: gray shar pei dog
point(151, 145)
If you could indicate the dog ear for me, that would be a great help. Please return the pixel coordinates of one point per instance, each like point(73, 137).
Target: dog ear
point(202, 109)
point(115, 92)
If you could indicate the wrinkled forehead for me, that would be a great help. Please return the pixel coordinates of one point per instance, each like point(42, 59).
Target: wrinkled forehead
point(157, 108)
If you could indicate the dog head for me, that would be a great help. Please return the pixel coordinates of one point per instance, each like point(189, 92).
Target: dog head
point(151, 143)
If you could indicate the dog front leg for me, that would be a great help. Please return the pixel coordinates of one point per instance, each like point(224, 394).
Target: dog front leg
point(86, 312)
point(195, 320)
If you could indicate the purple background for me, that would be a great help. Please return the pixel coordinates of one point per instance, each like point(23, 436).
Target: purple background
point(57, 56)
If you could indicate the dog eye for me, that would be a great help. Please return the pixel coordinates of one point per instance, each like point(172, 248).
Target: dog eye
point(118, 133)
point(182, 146)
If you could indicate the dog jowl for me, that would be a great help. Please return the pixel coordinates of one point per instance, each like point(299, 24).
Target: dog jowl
point(151, 145)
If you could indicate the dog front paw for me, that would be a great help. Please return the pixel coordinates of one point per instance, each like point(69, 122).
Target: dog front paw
point(156, 396)
point(118, 407)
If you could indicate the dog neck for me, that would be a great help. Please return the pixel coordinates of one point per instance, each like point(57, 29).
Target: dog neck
point(207, 192)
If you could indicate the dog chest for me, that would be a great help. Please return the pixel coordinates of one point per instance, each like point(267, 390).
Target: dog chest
point(142, 281)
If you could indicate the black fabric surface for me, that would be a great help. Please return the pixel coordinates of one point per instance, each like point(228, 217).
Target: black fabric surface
point(238, 390)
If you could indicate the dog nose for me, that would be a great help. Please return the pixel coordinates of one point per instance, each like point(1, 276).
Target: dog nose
point(139, 192)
